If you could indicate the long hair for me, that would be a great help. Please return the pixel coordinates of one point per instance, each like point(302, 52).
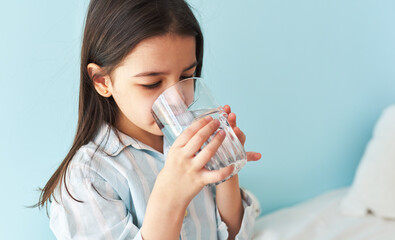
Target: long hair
point(112, 29)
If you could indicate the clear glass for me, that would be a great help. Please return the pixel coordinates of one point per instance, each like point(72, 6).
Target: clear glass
point(188, 100)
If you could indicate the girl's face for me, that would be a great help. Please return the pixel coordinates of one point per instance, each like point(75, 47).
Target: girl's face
point(152, 66)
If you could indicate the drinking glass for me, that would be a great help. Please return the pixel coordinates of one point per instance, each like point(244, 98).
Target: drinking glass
point(187, 101)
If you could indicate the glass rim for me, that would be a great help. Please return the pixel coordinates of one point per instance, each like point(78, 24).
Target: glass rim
point(183, 80)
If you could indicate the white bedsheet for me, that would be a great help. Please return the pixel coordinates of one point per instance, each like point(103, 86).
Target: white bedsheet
point(321, 219)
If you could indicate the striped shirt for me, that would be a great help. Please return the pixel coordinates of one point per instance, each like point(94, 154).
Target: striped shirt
point(114, 187)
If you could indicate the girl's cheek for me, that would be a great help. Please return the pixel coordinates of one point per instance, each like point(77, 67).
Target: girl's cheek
point(148, 107)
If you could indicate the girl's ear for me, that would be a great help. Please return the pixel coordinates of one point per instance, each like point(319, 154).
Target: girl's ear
point(101, 81)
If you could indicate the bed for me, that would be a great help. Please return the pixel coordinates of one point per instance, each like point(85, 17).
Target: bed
point(322, 218)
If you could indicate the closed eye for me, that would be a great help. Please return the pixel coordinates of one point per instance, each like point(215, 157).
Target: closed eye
point(157, 84)
point(152, 86)
point(185, 77)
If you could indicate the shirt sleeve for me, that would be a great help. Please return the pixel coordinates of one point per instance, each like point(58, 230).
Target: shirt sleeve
point(99, 214)
point(248, 221)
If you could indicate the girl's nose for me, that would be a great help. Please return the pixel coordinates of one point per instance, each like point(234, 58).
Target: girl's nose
point(186, 89)
point(171, 81)
point(168, 83)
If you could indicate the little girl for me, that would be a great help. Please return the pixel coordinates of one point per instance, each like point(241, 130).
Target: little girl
point(120, 180)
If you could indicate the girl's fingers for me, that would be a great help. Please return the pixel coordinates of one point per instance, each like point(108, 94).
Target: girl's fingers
point(231, 116)
point(232, 122)
point(201, 136)
point(240, 135)
point(227, 109)
point(214, 176)
point(253, 156)
point(209, 150)
point(232, 119)
point(188, 133)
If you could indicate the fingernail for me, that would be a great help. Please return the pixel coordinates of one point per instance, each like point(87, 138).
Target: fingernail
point(208, 118)
point(221, 133)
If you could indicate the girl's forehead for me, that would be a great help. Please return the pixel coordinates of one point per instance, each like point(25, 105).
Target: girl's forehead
point(162, 51)
point(163, 44)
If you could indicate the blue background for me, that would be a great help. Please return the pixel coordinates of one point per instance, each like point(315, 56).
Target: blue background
point(307, 80)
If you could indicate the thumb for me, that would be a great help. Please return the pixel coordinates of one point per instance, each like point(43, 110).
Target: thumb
point(253, 156)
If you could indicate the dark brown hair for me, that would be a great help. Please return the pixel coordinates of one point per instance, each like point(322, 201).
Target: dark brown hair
point(112, 29)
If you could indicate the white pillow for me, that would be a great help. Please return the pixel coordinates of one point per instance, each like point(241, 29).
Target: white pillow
point(373, 189)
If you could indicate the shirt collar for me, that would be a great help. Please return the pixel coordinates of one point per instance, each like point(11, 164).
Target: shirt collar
point(112, 141)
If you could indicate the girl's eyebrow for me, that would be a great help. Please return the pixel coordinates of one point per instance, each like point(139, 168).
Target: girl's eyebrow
point(194, 64)
point(152, 73)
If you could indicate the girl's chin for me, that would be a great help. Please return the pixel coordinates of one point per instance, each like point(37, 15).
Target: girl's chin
point(157, 131)
point(160, 133)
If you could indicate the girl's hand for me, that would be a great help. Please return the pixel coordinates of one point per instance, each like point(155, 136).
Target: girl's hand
point(184, 174)
point(251, 156)
point(182, 178)
point(228, 196)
